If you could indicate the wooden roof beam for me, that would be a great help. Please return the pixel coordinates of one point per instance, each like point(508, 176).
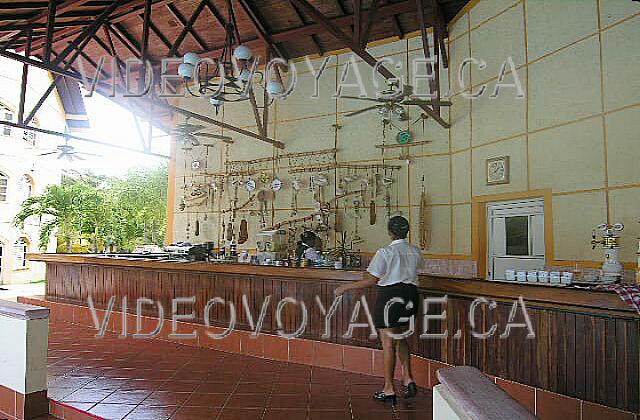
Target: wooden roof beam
point(443, 32)
point(406, 6)
point(41, 17)
point(263, 32)
point(353, 46)
point(187, 27)
point(88, 32)
point(434, 83)
point(303, 21)
point(122, 13)
point(371, 17)
point(157, 32)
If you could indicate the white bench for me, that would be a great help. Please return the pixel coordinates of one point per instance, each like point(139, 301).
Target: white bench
point(465, 393)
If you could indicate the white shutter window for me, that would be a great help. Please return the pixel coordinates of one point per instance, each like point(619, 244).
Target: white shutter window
point(8, 116)
point(4, 186)
point(20, 251)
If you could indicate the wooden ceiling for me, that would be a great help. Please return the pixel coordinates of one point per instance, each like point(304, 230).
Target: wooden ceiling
point(291, 32)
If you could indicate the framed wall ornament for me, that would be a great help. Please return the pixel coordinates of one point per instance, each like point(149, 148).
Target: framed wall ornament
point(498, 170)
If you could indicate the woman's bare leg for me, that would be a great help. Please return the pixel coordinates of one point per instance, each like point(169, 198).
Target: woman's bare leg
point(389, 353)
point(402, 349)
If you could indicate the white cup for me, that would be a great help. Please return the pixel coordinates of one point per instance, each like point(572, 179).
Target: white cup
point(532, 276)
point(554, 276)
point(521, 275)
point(543, 276)
point(510, 275)
point(567, 277)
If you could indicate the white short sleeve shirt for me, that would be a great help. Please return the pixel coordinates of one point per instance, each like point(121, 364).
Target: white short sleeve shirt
point(399, 262)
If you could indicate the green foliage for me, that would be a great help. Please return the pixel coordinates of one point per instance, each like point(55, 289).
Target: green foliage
point(100, 213)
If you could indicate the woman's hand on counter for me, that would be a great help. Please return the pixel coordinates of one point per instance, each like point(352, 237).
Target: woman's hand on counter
point(368, 281)
point(340, 290)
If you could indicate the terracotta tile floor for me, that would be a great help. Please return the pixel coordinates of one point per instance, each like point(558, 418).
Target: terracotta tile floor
point(117, 378)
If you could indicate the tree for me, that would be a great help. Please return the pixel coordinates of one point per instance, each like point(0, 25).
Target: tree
point(56, 209)
point(112, 213)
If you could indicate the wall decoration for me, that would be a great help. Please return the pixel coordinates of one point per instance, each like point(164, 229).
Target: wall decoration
point(498, 170)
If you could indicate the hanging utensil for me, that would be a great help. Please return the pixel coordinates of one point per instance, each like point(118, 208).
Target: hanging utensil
point(243, 235)
point(295, 187)
point(424, 217)
point(372, 203)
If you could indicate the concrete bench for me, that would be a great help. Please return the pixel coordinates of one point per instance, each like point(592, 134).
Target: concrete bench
point(465, 393)
point(24, 333)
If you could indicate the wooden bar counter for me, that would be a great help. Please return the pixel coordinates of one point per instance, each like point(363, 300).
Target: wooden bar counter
point(586, 343)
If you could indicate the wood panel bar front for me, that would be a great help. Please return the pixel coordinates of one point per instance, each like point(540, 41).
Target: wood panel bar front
point(586, 343)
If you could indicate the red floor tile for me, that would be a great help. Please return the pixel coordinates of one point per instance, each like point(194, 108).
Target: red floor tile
point(289, 401)
point(195, 413)
point(241, 414)
point(166, 398)
point(112, 411)
point(118, 378)
point(279, 414)
point(151, 413)
point(206, 400)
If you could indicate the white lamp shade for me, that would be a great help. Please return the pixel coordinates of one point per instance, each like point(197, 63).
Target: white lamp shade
point(242, 52)
point(185, 70)
point(190, 58)
point(275, 88)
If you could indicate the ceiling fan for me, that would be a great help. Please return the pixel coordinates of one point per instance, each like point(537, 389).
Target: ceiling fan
point(189, 134)
point(67, 151)
point(391, 103)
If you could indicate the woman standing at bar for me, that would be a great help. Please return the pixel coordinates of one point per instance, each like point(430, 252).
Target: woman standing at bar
point(394, 270)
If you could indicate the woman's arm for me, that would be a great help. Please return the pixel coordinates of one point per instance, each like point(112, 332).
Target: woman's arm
point(368, 281)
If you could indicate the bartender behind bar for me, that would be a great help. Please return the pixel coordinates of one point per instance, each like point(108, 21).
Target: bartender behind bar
point(306, 248)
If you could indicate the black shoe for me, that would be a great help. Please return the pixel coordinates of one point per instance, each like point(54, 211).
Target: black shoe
point(381, 396)
point(410, 390)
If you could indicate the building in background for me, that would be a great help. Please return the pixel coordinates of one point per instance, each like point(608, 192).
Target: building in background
point(22, 171)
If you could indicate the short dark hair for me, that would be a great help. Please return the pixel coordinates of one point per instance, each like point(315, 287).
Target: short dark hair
point(309, 237)
point(398, 226)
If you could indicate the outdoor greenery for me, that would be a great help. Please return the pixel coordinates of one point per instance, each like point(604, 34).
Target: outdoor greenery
point(88, 212)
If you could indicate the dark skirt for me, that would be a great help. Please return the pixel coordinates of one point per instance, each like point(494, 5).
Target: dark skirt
point(408, 293)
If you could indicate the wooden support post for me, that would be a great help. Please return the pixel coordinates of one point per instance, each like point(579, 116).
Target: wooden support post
point(371, 17)
point(51, 20)
point(357, 21)
point(433, 87)
point(23, 83)
point(443, 33)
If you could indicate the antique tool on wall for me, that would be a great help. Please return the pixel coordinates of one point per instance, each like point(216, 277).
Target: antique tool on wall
point(295, 188)
point(424, 218)
point(610, 241)
point(387, 181)
point(243, 235)
point(262, 199)
point(372, 201)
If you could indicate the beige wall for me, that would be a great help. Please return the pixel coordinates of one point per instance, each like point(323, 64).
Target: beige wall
point(19, 158)
point(575, 132)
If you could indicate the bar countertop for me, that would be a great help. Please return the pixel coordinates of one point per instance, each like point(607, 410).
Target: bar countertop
point(436, 284)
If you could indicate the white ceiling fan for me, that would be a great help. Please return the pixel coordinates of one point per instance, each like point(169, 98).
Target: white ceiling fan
point(68, 151)
point(391, 103)
point(188, 134)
